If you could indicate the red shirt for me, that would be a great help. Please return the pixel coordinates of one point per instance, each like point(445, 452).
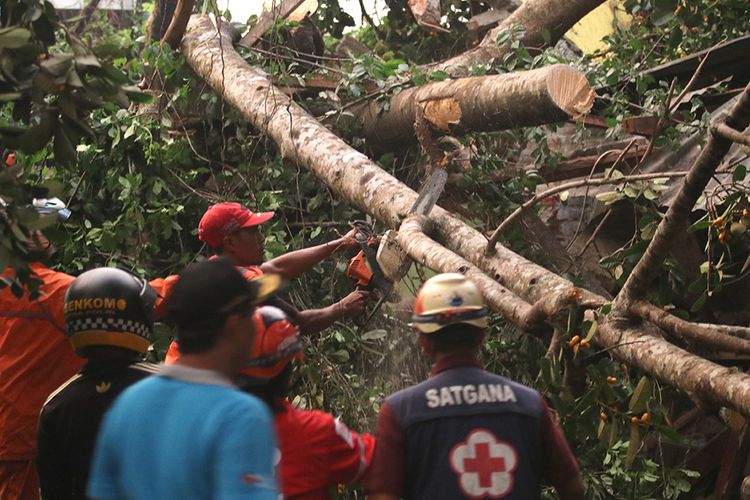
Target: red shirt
point(35, 359)
point(318, 451)
point(388, 469)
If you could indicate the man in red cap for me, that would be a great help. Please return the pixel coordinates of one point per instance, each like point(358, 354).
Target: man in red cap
point(232, 230)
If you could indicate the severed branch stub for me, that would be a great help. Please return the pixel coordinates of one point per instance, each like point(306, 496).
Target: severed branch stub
point(727, 132)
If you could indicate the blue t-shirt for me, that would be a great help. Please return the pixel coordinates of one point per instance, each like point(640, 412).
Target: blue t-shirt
point(173, 438)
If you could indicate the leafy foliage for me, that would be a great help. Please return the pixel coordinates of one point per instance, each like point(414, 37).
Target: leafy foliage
point(142, 178)
point(48, 91)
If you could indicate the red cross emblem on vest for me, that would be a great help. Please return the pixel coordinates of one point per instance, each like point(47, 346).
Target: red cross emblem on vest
point(484, 465)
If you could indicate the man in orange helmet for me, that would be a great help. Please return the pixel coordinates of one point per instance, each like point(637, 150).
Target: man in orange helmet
point(317, 450)
point(465, 432)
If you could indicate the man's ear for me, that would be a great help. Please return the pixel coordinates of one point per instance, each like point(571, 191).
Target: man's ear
point(228, 242)
point(480, 338)
point(424, 343)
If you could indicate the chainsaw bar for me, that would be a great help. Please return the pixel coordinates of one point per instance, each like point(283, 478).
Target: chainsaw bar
point(430, 192)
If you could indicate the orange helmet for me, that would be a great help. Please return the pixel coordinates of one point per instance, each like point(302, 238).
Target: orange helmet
point(276, 343)
point(448, 299)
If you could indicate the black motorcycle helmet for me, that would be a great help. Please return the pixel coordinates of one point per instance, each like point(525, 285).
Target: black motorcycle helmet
point(109, 307)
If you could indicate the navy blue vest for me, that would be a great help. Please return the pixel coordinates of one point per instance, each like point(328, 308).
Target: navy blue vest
point(470, 434)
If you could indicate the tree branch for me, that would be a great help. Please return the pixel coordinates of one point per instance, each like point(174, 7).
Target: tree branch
point(544, 23)
point(532, 318)
point(676, 219)
point(177, 25)
point(497, 102)
point(727, 132)
point(715, 336)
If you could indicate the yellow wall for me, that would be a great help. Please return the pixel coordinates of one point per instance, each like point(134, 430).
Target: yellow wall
point(590, 30)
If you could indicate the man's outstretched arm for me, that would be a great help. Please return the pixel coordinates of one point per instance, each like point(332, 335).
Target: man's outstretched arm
point(312, 321)
point(292, 264)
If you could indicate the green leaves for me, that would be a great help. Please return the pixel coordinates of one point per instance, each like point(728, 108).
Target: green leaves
point(14, 37)
point(641, 396)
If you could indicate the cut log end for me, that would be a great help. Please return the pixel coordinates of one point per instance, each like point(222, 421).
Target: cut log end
point(570, 91)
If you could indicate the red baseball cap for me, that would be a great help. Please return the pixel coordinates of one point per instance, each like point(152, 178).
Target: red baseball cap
point(225, 218)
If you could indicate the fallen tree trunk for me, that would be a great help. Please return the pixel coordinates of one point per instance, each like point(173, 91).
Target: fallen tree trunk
point(544, 23)
point(361, 182)
point(498, 102)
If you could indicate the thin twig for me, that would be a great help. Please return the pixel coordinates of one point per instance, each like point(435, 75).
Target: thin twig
point(596, 232)
point(622, 154)
point(671, 107)
point(570, 185)
point(295, 59)
point(658, 127)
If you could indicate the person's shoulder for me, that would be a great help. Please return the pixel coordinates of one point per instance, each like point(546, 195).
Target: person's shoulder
point(59, 396)
point(313, 420)
point(53, 280)
point(411, 391)
point(145, 367)
point(243, 402)
point(145, 388)
point(516, 386)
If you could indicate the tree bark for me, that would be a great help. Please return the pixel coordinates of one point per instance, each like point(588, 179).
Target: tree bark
point(643, 347)
point(352, 176)
point(544, 23)
point(160, 17)
point(498, 102)
point(177, 25)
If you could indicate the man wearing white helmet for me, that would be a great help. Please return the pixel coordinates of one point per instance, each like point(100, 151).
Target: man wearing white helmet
point(465, 432)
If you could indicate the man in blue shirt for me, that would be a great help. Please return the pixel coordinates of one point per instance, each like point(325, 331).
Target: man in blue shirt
point(188, 433)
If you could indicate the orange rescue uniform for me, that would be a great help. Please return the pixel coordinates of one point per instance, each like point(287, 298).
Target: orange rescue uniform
point(35, 359)
point(163, 286)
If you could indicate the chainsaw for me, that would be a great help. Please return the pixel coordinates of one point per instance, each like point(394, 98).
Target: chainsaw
point(381, 262)
point(364, 268)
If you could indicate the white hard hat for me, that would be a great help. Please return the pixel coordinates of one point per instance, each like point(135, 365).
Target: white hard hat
point(448, 299)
